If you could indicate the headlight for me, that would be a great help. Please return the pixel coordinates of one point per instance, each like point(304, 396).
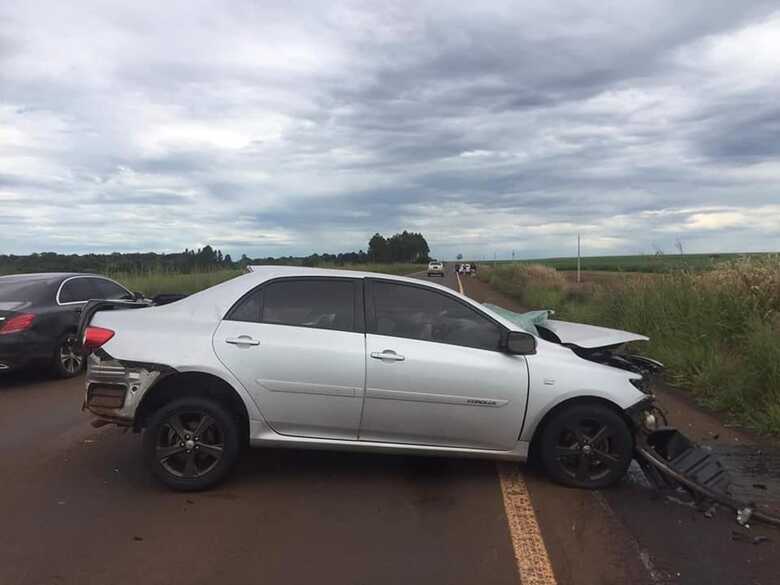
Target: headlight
point(649, 421)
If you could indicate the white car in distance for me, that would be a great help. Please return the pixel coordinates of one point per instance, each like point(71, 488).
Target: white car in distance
point(314, 358)
point(435, 268)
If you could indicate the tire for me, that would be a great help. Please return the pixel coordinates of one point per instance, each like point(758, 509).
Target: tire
point(67, 361)
point(195, 461)
point(586, 446)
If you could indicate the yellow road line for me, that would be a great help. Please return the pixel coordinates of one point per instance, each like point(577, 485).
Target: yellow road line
point(533, 562)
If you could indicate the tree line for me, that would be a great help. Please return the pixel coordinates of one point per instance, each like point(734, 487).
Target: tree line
point(402, 247)
point(206, 258)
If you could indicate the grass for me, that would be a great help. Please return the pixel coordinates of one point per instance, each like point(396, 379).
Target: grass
point(718, 332)
point(154, 282)
point(643, 263)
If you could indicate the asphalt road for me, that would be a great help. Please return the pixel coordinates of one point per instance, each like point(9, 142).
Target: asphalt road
point(77, 507)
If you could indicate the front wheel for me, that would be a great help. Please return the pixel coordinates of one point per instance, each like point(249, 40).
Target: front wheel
point(586, 446)
point(191, 444)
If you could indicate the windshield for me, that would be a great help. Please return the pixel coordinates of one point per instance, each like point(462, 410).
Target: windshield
point(526, 321)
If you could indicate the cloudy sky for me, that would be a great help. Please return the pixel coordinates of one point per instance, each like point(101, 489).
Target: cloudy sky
point(274, 128)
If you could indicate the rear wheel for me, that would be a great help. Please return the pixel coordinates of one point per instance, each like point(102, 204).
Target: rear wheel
point(586, 446)
point(191, 443)
point(68, 361)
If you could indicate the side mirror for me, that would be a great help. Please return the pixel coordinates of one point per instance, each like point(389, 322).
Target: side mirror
point(519, 343)
point(138, 296)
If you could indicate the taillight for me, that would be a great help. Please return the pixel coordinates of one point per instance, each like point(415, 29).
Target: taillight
point(17, 323)
point(94, 337)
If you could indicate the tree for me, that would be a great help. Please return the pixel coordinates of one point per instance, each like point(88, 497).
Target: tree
point(378, 250)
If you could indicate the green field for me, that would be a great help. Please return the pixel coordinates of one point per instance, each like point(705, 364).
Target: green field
point(154, 282)
point(642, 263)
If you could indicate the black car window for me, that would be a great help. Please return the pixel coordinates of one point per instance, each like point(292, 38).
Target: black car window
point(321, 303)
point(109, 290)
point(411, 311)
point(77, 290)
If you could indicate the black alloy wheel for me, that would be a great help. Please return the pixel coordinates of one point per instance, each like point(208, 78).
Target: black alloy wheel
point(191, 443)
point(587, 446)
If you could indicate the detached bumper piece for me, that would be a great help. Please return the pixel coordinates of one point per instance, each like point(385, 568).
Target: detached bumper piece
point(672, 461)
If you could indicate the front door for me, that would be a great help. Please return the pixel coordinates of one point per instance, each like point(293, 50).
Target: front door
point(298, 347)
point(435, 374)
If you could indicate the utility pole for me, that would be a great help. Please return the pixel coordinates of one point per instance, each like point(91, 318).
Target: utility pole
point(579, 274)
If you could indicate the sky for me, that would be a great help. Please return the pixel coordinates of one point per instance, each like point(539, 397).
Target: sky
point(276, 128)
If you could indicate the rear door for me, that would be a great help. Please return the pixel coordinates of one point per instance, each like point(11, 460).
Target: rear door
point(298, 347)
point(435, 374)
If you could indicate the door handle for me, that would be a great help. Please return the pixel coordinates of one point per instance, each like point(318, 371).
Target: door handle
point(388, 355)
point(242, 340)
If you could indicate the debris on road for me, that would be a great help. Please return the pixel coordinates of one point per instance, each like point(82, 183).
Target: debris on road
point(743, 537)
point(672, 462)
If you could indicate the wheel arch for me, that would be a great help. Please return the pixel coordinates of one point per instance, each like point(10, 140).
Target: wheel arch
point(538, 431)
point(186, 384)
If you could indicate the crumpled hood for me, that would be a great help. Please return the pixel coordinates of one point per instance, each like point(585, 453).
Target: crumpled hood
point(589, 336)
point(579, 334)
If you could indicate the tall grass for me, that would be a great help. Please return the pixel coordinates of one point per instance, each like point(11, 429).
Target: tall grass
point(717, 332)
point(155, 282)
point(644, 263)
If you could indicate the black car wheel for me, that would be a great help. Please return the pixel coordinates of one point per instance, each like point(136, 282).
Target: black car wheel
point(68, 361)
point(586, 446)
point(191, 443)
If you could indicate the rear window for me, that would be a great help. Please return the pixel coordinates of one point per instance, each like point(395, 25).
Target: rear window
point(25, 291)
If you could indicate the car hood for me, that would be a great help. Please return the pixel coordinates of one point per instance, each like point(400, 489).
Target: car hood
point(577, 334)
point(589, 336)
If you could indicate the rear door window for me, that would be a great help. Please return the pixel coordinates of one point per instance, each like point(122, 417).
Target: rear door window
point(77, 290)
point(325, 303)
point(248, 308)
point(414, 312)
point(109, 290)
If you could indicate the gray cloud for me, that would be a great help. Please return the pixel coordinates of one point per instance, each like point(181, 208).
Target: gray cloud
point(307, 126)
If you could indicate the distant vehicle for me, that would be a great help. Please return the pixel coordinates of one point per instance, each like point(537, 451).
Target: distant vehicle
point(465, 268)
point(39, 315)
point(315, 358)
point(435, 268)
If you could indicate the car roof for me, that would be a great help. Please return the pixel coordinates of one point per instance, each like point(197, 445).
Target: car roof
point(218, 299)
point(42, 276)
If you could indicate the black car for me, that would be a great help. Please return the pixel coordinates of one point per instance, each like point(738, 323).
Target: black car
point(39, 315)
